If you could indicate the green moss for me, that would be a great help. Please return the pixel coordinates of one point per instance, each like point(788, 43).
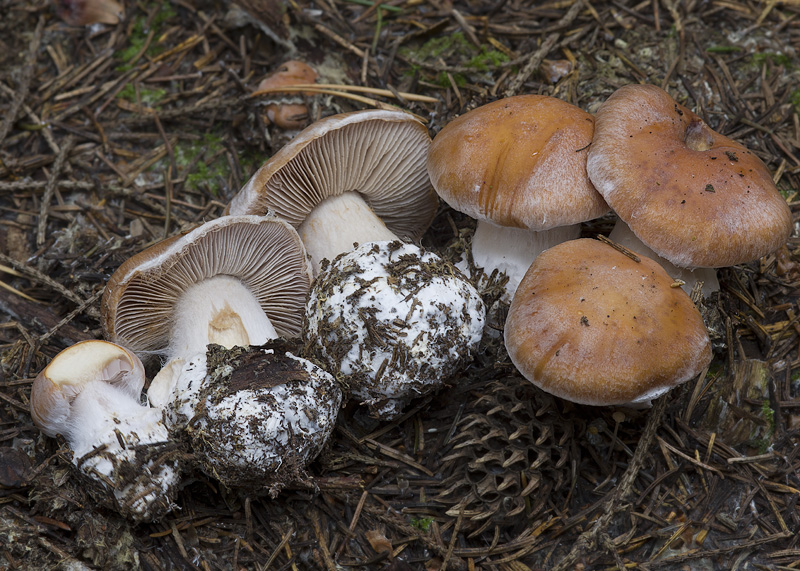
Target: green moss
point(778, 59)
point(456, 50)
point(423, 523)
point(203, 174)
point(723, 49)
point(794, 99)
point(487, 60)
point(140, 31)
point(769, 415)
point(149, 97)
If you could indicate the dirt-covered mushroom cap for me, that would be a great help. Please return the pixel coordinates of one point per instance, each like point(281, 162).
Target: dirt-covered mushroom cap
point(237, 280)
point(256, 417)
point(345, 178)
point(517, 165)
point(90, 393)
point(591, 325)
point(396, 320)
point(695, 197)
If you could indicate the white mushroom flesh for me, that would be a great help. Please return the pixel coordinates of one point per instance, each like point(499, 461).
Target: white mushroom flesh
point(116, 440)
point(512, 250)
point(337, 223)
point(219, 310)
point(398, 321)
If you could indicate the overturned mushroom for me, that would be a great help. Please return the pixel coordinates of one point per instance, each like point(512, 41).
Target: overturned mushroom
point(396, 320)
point(287, 110)
point(237, 280)
point(89, 393)
point(351, 178)
point(86, 12)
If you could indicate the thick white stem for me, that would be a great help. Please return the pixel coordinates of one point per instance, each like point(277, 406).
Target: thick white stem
point(338, 222)
point(624, 236)
point(218, 310)
point(512, 250)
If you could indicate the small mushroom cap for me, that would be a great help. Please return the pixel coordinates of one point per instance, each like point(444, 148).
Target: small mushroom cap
point(85, 12)
point(379, 154)
point(291, 72)
point(265, 253)
point(591, 325)
point(697, 198)
point(63, 379)
point(518, 162)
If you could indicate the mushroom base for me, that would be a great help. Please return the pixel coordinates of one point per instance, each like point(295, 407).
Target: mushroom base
point(396, 320)
point(123, 450)
point(257, 417)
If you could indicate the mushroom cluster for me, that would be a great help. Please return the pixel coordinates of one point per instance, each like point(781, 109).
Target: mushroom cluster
point(683, 194)
point(314, 264)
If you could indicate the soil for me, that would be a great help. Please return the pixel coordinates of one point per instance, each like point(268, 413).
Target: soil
point(113, 137)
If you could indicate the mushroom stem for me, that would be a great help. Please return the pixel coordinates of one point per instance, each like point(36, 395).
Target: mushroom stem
point(512, 250)
point(624, 236)
point(339, 222)
point(219, 310)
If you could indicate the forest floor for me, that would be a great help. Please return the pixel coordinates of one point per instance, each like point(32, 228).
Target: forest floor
point(115, 137)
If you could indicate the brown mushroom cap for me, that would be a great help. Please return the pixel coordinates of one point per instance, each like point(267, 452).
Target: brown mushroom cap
point(85, 12)
point(518, 162)
point(265, 253)
point(591, 325)
point(377, 153)
point(695, 197)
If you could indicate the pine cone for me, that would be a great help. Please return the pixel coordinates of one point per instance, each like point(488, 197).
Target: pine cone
point(509, 454)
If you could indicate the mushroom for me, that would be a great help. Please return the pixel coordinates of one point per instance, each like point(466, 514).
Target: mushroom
point(396, 320)
point(350, 178)
point(85, 12)
point(237, 280)
point(517, 165)
point(287, 112)
point(89, 393)
point(693, 196)
point(255, 418)
point(591, 325)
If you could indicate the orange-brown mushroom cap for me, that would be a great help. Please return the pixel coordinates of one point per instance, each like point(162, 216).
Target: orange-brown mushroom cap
point(591, 325)
point(695, 197)
point(518, 162)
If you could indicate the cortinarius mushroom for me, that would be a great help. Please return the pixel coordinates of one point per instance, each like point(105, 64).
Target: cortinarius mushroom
point(89, 393)
point(517, 165)
point(591, 325)
point(351, 178)
point(693, 196)
point(396, 320)
point(237, 280)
